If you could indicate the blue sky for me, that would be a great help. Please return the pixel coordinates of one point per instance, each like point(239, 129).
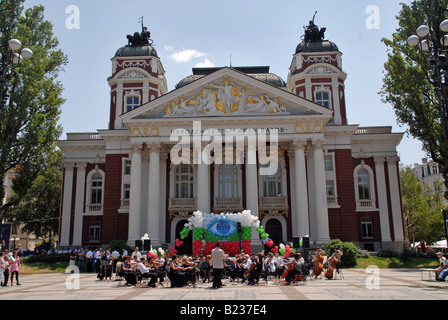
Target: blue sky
point(206, 32)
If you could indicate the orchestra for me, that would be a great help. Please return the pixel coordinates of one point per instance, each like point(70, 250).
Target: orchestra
point(184, 271)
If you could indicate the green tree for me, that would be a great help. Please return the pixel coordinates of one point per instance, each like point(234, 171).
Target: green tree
point(421, 208)
point(407, 82)
point(29, 122)
point(38, 211)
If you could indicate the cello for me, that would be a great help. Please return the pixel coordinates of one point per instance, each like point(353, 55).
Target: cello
point(290, 267)
point(251, 268)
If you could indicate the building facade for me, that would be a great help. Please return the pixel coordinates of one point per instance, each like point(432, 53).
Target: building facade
point(226, 140)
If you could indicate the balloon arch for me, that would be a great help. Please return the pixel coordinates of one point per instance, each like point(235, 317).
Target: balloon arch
point(233, 230)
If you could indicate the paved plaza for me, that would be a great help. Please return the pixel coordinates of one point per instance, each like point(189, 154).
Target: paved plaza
point(355, 284)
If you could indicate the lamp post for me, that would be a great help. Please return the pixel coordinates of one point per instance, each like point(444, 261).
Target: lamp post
point(435, 49)
point(9, 60)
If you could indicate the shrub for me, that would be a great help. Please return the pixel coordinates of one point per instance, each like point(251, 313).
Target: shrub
point(349, 249)
point(386, 253)
point(363, 254)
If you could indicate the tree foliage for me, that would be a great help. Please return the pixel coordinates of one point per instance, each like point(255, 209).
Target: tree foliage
point(29, 122)
point(422, 207)
point(407, 81)
point(38, 210)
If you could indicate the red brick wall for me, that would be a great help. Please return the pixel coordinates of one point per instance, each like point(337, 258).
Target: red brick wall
point(113, 227)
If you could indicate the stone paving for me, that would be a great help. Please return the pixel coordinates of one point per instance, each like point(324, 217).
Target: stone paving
point(353, 284)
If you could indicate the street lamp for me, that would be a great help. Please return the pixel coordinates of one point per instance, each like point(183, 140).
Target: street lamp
point(435, 51)
point(9, 61)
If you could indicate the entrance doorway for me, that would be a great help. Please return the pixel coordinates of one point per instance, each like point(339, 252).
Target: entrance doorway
point(275, 231)
point(187, 246)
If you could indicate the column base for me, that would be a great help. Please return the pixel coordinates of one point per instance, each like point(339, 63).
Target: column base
point(395, 246)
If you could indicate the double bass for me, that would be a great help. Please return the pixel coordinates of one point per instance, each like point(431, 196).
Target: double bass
point(319, 265)
point(331, 267)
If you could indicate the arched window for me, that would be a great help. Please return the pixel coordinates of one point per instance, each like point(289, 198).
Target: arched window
point(132, 102)
point(96, 189)
point(364, 187)
point(272, 185)
point(184, 181)
point(228, 181)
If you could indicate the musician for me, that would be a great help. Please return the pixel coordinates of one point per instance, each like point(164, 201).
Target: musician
point(205, 267)
point(189, 268)
point(336, 254)
point(129, 273)
point(237, 271)
point(297, 270)
point(245, 266)
point(319, 260)
point(280, 265)
point(147, 270)
point(255, 269)
point(270, 264)
point(176, 275)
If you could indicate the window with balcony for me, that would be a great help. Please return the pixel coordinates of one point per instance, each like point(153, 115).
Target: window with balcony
point(184, 181)
point(228, 181)
point(364, 188)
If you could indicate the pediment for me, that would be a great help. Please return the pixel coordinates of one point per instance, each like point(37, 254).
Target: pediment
point(226, 93)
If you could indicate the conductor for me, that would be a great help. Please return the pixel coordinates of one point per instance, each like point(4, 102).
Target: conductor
point(218, 257)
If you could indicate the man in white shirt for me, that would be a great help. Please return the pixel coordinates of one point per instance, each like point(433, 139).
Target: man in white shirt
point(137, 254)
point(145, 272)
point(218, 257)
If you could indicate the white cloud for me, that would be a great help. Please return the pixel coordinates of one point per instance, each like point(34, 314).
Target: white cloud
point(205, 64)
point(187, 55)
point(168, 47)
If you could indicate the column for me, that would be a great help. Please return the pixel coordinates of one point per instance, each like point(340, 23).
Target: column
point(320, 189)
point(395, 198)
point(252, 186)
point(153, 227)
point(79, 203)
point(67, 204)
point(203, 183)
point(302, 222)
point(382, 198)
point(135, 202)
point(119, 107)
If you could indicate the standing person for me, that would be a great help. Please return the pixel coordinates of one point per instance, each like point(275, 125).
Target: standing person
point(89, 258)
point(114, 257)
point(73, 256)
point(15, 268)
point(82, 259)
point(218, 258)
point(137, 254)
point(3, 266)
point(6, 261)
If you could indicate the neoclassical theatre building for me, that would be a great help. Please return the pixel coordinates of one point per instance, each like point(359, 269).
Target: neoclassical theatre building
point(332, 179)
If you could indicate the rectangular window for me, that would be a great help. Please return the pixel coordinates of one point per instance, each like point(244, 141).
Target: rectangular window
point(367, 228)
point(94, 231)
point(330, 188)
point(323, 98)
point(328, 160)
point(127, 167)
point(127, 192)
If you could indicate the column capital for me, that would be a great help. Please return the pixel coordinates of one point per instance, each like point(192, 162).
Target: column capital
point(299, 144)
point(318, 143)
point(81, 165)
point(68, 166)
point(154, 147)
point(379, 160)
point(136, 147)
point(392, 160)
